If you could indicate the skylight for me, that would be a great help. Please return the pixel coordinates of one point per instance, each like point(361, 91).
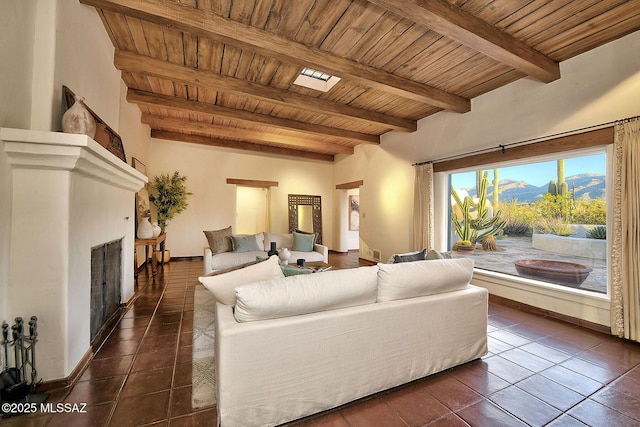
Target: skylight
point(317, 80)
point(310, 72)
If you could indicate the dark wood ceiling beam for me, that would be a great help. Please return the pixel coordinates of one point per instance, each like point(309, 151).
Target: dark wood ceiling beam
point(459, 25)
point(247, 135)
point(252, 183)
point(131, 62)
point(209, 24)
point(300, 128)
point(247, 146)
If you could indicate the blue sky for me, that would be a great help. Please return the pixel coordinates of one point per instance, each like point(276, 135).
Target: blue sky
point(537, 173)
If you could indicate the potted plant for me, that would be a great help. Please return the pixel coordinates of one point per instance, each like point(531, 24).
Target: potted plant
point(472, 220)
point(169, 197)
point(464, 246)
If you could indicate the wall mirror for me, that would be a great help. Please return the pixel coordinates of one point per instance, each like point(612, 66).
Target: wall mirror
point(305, 214)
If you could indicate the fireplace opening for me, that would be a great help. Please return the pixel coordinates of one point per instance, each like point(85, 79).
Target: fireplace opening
point(106, 263)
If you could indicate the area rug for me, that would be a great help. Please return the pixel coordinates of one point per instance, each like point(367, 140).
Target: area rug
point(203, 371)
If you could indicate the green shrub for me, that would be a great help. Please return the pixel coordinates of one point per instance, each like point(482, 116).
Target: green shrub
point(590, 211)
point(599, 232)
point(519, 218)
point(551, 206)
point(553, 226)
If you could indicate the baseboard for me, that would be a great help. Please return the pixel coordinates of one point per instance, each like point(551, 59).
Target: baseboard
point(99, 339)
point(547, 313)
point(72, 379)
point(186, 258)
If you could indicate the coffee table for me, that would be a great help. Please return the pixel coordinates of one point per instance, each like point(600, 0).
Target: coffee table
point(309, 267)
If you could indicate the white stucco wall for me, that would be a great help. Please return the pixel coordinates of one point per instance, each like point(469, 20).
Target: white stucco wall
point(46, 44)
point(212, 205)
point(17, 20)
point(386, 198)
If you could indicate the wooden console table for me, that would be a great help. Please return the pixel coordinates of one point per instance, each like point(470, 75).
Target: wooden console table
point(153, 243)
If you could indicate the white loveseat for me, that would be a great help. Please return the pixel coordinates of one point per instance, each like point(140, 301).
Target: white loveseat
point(232, 258)
point(295, 346)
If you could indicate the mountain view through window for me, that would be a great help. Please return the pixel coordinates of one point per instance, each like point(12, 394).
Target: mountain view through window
point(546, 221)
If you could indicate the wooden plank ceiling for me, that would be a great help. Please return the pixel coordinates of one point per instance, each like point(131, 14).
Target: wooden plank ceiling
point(221, 72)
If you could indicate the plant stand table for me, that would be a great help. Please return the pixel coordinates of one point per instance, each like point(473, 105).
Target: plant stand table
point(153, 242)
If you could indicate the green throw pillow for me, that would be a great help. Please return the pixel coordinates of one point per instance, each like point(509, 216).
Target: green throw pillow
point(303, 242)
point(245, 243)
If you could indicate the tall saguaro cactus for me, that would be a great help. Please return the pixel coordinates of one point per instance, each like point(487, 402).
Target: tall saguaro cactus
point(496, 191)
point(476, 222)
point(560, 187)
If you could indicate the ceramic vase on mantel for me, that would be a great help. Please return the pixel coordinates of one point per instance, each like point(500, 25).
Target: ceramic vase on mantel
point(78, 119)
point(145, 229)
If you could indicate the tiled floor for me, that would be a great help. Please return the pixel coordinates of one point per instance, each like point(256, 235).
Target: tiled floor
point(540, 371)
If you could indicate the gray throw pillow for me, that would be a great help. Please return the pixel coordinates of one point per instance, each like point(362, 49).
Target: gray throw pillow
point(245, 243)
point(411, 256)
point(433, 254)
point(219, 240)
point(303, 242)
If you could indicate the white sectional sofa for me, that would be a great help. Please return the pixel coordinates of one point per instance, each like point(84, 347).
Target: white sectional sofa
point(286, 348)
point(218, 259)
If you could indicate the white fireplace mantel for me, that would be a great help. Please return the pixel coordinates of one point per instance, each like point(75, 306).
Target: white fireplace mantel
point(68, 194)
point(72, 152)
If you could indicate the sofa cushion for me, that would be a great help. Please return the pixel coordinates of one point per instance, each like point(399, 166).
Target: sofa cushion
point(219, 240)
point(419, 278)
point(303, 242)
point(247, 242)
point(307, 293)
point(230, 259)
point(222, 286)
point(282, 240)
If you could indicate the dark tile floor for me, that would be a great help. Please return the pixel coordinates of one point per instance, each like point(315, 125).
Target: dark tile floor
point(540, 371)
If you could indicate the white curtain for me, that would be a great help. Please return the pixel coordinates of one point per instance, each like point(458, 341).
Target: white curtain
point(423, 208)
point(625, 257)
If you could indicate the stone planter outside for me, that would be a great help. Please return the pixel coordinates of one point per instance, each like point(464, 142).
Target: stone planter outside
point(573, 246)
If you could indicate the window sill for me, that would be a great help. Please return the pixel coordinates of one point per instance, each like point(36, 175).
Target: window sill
point(583, 305)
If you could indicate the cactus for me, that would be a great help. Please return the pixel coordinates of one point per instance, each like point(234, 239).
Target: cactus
point(496, 191)
point(476, 224)
point(489, 243)
point(553, 188)
point(563, 188)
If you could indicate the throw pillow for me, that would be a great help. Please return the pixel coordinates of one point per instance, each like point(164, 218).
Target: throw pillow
point(303, 242)
point(410, 257)
point(219, 240)
point(308, 293)
point(420, 278)
point(315, 235)
point(282, 240)
point(223, 286)
point(245, 243)
point(433, 254)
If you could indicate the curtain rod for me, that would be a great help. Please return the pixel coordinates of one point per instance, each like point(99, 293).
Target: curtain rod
point(526, 141)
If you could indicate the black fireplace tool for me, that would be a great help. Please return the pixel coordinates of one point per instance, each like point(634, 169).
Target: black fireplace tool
point(14, 385)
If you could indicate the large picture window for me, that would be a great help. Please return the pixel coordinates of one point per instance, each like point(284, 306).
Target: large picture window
point(543, 220)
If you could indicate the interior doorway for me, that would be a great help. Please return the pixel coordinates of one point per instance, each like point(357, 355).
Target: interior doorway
point(353, 233)
point(252, 210)
point(348, 216)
